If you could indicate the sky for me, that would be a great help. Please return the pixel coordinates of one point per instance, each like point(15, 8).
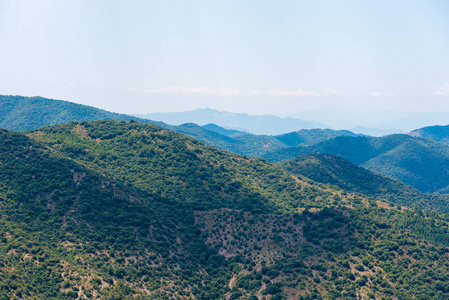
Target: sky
point(345, 62)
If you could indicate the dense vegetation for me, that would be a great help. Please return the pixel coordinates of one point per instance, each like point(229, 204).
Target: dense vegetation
point(423, 164)
point(223, 131)
point(401, 157)
point(240, 143)
point(436, 133)
point(256, 145)
point(20, 113)
point(122, 209)
point(332, 169)
point(309, 137)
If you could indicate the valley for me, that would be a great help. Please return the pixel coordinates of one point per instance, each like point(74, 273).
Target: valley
point(123, 209)
point(224, 150)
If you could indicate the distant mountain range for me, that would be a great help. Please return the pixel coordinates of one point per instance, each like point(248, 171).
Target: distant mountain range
point(415, 159)
point(123, 210)
point(256, 124)
point(112, 209)
point(251, 144)
point(383, 121)
point(25, 113)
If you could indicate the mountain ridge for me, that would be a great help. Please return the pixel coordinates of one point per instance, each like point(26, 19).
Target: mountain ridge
point(439, 133)
point(22, 113)
point(332, 169)
point(116, 210)
point(17, 111)
point(256, 124)
point(399, 156)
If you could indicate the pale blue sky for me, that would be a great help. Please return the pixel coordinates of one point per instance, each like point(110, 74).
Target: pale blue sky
point(278, 57)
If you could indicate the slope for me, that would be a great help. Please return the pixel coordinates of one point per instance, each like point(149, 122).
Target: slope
point(243, 143)
point(20, 113)
point(331, 169)
point(423, 164)
point(311, 136)
point(437, 133)
point(120, 210)
point(223, 131)
point(340, 245)
point(175, 166)
point(24, 113)
point(69, 232)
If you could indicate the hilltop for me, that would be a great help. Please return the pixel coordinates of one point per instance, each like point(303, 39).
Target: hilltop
point(437, 133)
point(114, 209)
point(399, 156)
point(223, 131)
point(423, 164)
point(20, 113)
point(332, 169)
point(308, 137)
point(25, 113)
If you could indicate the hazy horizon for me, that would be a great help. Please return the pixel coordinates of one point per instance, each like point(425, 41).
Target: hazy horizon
point(400, 122)
point(372, 64)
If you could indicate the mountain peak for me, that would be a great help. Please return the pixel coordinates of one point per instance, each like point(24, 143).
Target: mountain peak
point(256, 124)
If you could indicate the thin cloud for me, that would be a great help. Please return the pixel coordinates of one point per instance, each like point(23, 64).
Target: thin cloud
point(442, 90)
point(281, 93)
point(204, 91)
point(379, 94)
point(330, 90)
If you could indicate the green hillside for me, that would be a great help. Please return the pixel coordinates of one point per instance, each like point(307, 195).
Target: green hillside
point(170, 164)
point(243, 143)
point(423, 164)
point(331, 169)
point(68, 231)
point(307, 137)
point(26, 113)
point(437, 133)
point(120, 210)
point(222, 131)
point(20, 113)
point(258, 145)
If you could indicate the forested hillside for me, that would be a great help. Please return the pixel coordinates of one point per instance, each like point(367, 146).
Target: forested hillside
point(256, 145)
point(332, 169)
point(242, 143)
point(20, 113)
point(25, 113)
point(122, 209)
point(70, 232)
point(423, 164)
point(307, 137)
point(222, 131)
point(436, 133)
